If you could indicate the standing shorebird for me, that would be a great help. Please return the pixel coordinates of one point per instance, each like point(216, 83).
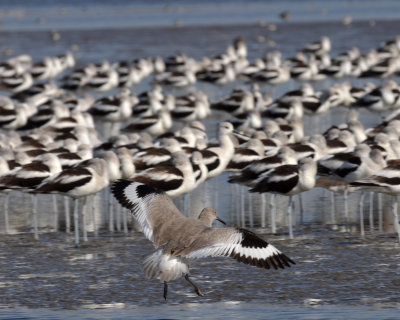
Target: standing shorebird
point(178, 239)
point(78, 182)
point(27, 177)
point(288, 180)
point(386, 181)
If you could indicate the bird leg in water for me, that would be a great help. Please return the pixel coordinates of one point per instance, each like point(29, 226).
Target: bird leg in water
point(196, 288)
point(165, 289)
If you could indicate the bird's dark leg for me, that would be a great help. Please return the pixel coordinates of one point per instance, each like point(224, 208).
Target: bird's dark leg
point(196, 288)
point(165, 290)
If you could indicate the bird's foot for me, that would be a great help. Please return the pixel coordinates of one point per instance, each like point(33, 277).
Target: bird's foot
point(196, 288)
point(198, 291)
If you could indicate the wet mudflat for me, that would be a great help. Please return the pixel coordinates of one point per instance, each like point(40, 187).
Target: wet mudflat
point(331, 269)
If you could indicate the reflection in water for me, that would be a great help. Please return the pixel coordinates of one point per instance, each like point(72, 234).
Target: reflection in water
point(234, 204)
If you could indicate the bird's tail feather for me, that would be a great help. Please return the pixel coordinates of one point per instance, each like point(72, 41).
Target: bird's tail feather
point(164, 267)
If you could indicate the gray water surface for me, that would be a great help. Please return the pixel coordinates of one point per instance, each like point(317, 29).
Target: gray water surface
point(231, 310)
point(332, 269)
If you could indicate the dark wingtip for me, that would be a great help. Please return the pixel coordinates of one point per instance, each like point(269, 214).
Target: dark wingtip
point(117, 189)
point(276, 262)
point(143, 190)
point(118, 186)
point(251, 240)
point(286, 260)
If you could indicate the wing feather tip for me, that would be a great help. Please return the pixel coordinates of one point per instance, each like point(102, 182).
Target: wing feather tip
point(141, 190)
point(118, 190)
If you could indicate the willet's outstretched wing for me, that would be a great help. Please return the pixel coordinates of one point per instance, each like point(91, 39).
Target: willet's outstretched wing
point(239, 244)
point(153, 209)
point(163, 224)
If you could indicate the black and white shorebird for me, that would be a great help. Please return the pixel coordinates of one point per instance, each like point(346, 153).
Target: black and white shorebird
point(386, 181)
point(252, 151)
point(349, 167)
point(156, 156)
point(288, 180)
point(179, 239)
point(155, 125)
point(217, 158)
point(17, 83)
point(318, 47)
point(249, 174)
point(219, 77)
point(105, 78)
point(27, 177)
point(88, 178)
point(380, 99)
point(175, 178)
point(239, 102)
point(272, 75)
point(192, 107)
point(176, 79)
point(284, 109)
point(114, 109)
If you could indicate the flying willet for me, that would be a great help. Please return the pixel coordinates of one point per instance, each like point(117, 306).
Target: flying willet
point(178, 239)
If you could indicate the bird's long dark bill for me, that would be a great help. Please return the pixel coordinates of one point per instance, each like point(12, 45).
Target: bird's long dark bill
point(220, 220)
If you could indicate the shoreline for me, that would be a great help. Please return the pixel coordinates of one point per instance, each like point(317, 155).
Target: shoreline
point(222, 26)
point(262, 25)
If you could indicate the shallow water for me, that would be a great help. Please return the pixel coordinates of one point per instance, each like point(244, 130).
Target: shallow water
point(90, 14)
point(230, 310)
point(333, 269)
point(337, 275)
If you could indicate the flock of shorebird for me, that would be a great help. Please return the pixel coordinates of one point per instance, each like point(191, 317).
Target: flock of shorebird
point(50, 143)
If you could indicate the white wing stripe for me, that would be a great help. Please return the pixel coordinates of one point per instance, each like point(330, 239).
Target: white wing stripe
point(233, 246)
point(139, 209)
point(258, 253)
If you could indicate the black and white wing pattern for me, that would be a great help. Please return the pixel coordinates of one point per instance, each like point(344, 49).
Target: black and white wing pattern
point(151, 208)
point(239, 244)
